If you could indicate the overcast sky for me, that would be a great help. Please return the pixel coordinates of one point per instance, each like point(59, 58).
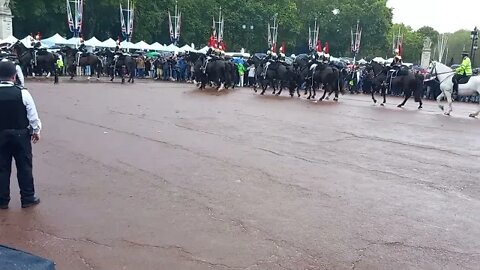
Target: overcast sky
point(443, 15)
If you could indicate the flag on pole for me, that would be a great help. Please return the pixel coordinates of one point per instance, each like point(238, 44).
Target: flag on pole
point(70, 17)
point(122, 21)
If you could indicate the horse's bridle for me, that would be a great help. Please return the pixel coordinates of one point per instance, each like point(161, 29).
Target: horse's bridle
point(436, 73)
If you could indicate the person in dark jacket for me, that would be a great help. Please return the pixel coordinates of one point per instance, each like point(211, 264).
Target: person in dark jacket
point(19, 127)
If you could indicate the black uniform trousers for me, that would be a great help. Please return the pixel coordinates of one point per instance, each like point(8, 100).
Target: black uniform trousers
point(456, 78)
point(16, 144)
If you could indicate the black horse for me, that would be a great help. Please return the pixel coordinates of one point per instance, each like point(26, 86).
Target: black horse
point(45, 61)
point(406, 80)
point(277, 75)
point(121, 64)
point(73, 59)
point(318, 75)
point(213, 72)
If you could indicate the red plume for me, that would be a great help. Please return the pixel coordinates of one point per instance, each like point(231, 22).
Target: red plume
point(319, 46)
point(327, 48)
point(212, 42)
point(283, 48)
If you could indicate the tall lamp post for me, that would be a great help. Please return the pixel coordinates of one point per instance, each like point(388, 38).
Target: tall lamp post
point(247, 28)
point(474, 37)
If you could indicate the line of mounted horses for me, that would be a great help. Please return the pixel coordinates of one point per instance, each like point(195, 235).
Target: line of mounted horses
point(299, 73)
point(293, 74)
point(42, 61)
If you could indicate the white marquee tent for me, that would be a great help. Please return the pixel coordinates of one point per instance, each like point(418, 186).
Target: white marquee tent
point(94, 42)
point(54, 40)
point(142, 45)
point(11, 39)
point(109, 43)
point(156, 47)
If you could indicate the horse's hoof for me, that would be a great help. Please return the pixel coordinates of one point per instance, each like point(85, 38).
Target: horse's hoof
point(399, 106)
point(383, 104)
point(420, 107)
point(335, 99)
point(374, 101)
point(327, 98)
point(447, 113)
point(472, 115)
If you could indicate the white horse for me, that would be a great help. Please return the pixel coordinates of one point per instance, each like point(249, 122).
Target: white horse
point(444, 74)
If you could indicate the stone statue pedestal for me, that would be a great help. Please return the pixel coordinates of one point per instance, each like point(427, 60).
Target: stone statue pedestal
point(426, 53)
point(6, 26)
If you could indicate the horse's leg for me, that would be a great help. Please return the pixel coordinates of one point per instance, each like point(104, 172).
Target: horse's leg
point(448, 95)
point(336, 93)
point(439, 100)
point(384, 95)
point(121, 73)
point(408, 94)
point(475, 114)
point(373, 96)
point(324, 92)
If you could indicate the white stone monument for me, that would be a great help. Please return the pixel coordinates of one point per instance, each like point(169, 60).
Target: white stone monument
point(426, 53)
point(6, 28)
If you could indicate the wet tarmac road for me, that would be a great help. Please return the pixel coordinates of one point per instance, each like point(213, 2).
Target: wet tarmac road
point(163, 176)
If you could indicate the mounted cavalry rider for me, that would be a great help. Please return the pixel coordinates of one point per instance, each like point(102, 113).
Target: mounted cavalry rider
point(212, 55)
point(36, 44)
point(269, 59)
point(462, 72)
point(395, 66)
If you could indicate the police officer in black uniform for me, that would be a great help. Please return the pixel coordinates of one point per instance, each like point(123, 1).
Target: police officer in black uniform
point(19, 127)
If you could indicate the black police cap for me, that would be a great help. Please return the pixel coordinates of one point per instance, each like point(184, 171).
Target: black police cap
point(7, 69)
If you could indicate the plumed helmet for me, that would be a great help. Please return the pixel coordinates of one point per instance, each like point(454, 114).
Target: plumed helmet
point(274, 54)
point(282, 55)
point(269, 52)
point(293, 56)
point(397, 51)
point(327, 55)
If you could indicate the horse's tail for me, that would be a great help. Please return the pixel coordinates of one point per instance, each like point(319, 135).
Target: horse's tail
point(418, 91)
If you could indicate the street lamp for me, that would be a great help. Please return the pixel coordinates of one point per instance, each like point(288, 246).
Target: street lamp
point(474, 37)
point(247, 28)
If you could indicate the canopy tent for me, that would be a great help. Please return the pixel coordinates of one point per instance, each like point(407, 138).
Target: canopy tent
point(362, 62)
point(10, 40)
point(109, 43)
point(237, 54)
point(389, 60)
point(93, 42)
point(156, 47)
point(172, 48)
point(75, 41)
point(378, 60)
point(142, 45)
point(127, 45)
point(27, 41)
point(55, 39)
point(187, 48)
point(204, 49)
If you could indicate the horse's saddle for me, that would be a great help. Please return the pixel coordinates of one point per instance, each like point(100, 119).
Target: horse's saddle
point(41, 51)
point(83, 54)
point(464, 80)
